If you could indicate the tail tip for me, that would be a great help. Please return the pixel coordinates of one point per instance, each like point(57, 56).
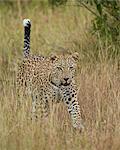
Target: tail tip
point(26, 22)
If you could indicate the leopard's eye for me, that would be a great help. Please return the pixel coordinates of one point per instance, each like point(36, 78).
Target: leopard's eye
point(59, 68)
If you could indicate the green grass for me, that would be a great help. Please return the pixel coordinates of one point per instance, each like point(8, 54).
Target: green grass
point(98, 81)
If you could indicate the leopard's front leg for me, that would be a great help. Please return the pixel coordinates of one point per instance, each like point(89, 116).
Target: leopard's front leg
point(69, 96)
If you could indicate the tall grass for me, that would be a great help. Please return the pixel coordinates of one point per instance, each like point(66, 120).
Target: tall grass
point(98, 81)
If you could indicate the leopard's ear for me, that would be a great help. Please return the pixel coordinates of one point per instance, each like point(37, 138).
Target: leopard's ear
point(75, 56)
point(53, 57)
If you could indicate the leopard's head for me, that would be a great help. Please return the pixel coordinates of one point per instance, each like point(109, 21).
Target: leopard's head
point(63, 69)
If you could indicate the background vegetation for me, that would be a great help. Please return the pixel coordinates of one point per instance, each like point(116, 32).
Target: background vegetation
point(92, 29)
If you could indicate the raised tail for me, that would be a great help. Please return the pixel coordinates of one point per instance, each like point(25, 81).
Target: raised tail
point(27, 26)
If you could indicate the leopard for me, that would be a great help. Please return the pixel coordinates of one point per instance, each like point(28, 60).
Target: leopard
point(49, 79)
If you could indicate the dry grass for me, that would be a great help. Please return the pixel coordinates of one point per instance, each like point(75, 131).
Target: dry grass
point(99, 82)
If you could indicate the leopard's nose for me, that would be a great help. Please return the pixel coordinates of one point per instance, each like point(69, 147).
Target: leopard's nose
point(66, 79)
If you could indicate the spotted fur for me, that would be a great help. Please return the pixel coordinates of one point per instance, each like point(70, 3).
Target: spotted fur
point(27, 27)
point(51, 79)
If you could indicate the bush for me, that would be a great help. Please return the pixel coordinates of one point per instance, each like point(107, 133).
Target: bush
point(107, 18)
